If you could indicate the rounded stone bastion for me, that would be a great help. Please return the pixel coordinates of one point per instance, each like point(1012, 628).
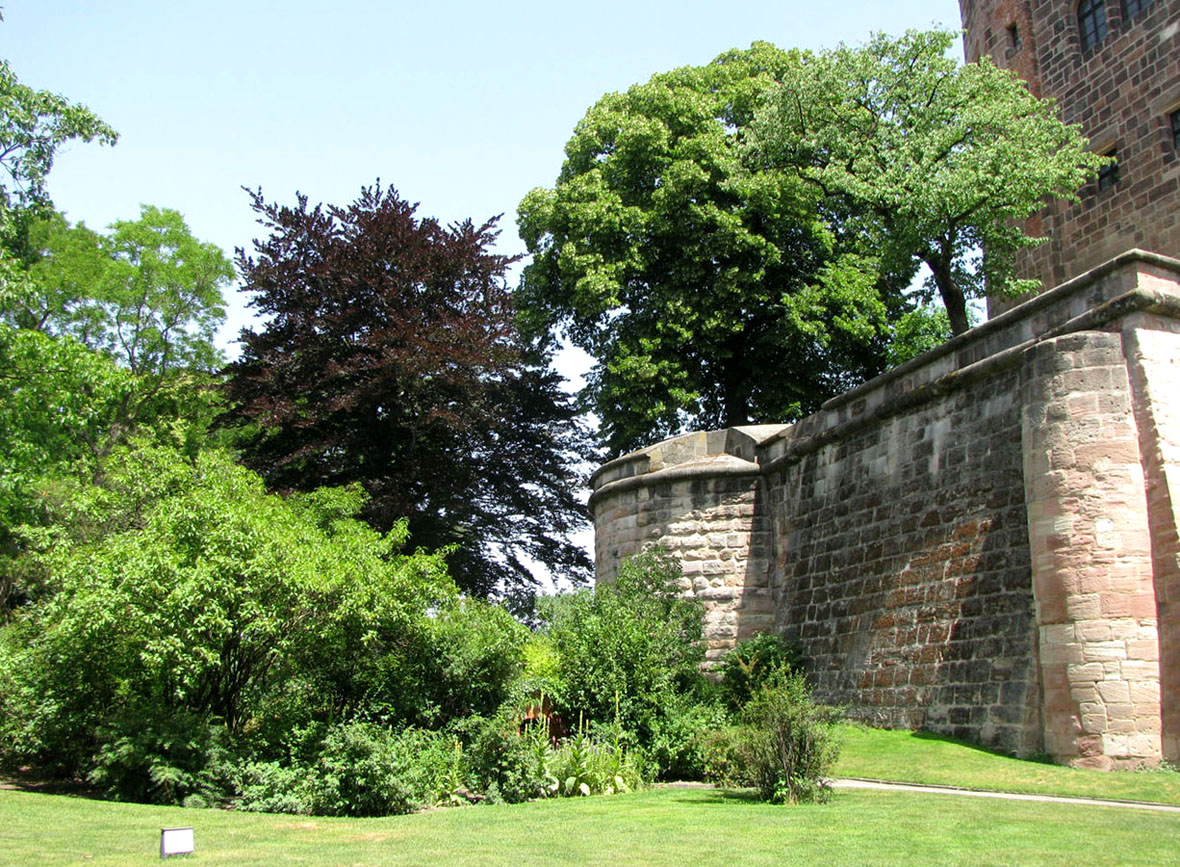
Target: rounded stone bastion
point(701, 497)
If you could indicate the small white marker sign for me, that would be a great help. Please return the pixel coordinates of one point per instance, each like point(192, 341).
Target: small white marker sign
point(176, 841)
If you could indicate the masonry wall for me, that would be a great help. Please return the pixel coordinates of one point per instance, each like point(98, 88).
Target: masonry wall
point(903, 568)
point(1121, 93)
point(982, 542)
point(707, 509)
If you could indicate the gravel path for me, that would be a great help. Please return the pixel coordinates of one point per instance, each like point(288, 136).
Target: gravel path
point(851, 783)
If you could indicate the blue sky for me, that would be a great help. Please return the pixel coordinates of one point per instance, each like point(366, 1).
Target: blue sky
point(462, 106)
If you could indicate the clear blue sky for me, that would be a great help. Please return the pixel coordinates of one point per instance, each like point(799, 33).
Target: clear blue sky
point(463, 106)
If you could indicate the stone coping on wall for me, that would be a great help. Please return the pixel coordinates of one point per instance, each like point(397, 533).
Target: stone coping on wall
point(1134, 280)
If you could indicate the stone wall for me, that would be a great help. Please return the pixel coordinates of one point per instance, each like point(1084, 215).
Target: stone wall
point(982, 542)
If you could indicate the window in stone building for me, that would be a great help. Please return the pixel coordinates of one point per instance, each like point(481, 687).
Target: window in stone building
point(1014, 37)
point(1108, 175)
point(1135, 8)
point(1092, 23)
point(1174, 119)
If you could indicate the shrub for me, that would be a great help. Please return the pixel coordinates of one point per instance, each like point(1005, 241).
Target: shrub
point(724, 757)
point(268, 787)
point(676, 749)
point(220, 606)
point(178, 758)
point(745, 668)
point(368, 770)
point(787, 744)
point(627, 650)
point(361, 772)
point(475, 654)
point(507, 765)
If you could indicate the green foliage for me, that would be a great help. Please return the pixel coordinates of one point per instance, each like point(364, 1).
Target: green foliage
point(744, 669)
point(918, 331)
point(361, 772)
point(627, 650)
point(785, 746)
point(685, 276)
point(929, 160)
point(240, 608)
point(584, 765)
point(676, 747)
point(475, 653)
point(147, 294)
point(34, 124)
point(176, 758)
point(507, 765)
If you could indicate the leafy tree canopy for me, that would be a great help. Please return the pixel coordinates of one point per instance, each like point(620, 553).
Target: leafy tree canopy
point(147, 293)
point(203, 597)
point(686, 277)
point(33, 125)
point(390, 357)
point(935, 160)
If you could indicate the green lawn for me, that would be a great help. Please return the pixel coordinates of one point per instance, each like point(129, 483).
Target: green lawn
point(661, 826)
point(920, 757)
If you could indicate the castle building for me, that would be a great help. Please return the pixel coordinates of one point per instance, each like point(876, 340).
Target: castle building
point(984, 541)
point(1113, 66)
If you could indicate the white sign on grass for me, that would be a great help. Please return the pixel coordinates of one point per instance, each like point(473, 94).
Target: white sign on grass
point(176, 841)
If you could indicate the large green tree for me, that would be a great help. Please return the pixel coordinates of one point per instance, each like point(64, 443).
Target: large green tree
point(389, 356)
point(707, 295)
point(934, 161)
point(147, 293)
point(34, 124)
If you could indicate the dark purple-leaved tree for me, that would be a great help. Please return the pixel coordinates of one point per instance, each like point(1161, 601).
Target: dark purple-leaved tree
point(389, 356)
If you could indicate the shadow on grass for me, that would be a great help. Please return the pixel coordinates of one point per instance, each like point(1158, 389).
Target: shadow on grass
point(30, 780)
point(1040, 758)
point(721, 796)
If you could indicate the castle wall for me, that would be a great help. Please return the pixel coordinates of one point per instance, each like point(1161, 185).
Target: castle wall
point(903, 568)
point(982, 542)
point(707, 509)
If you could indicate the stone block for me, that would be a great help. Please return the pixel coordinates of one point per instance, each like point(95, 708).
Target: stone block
point(1089, 671)
point(1145, 745)
point(1114, 692)
point(1103, 651)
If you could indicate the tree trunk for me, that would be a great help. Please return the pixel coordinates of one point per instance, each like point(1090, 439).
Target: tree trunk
point(952, 296)
point(737, 398)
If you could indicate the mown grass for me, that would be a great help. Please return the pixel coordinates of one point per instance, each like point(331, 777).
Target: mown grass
point(661, 826)
point(921, 757)
point(666, 825)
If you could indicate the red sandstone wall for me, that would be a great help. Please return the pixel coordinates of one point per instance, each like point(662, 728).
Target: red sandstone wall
point(1120, 94)
point(981, 542)
point(903, 567)
point(1152, 347)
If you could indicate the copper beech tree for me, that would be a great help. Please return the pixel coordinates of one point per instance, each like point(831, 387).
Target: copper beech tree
point(389, 356)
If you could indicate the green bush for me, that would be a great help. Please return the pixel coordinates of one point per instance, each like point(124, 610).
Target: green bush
point(176, 758)
point(506, 765)
point(268, 787)
point(362, 771)
point(787, 744)
point(629, 651)
point(744, 669)
point(475, 654)
point(677, 746)
point(220, 607)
